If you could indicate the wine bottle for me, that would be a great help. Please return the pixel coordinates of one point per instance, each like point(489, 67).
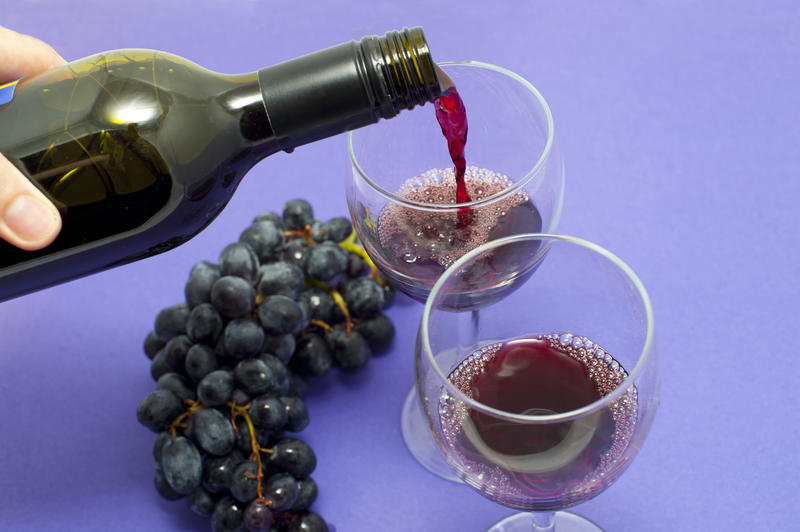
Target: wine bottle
point(140, 150)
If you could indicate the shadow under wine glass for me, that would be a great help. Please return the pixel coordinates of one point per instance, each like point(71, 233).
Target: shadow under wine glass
point(540, 399)
point(401, 195)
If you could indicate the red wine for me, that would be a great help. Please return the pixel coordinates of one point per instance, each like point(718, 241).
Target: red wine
point(538, 466)
point(415, 246)
point(452, 118)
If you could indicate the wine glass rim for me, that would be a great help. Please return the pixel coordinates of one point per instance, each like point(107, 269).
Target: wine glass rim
point(543, 156)
point(590, 408)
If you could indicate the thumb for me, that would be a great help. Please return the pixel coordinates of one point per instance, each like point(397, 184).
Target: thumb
point(24, 56)
point(27, 219)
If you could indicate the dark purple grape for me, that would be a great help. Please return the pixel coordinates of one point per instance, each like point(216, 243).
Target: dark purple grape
point(281, 491)
point(356, 266)
point(350, 351)
point(182, 465)
point(296, 252)
point(177, 384)
point(363, 296)
point(205, 324)
point(254, 377)
point(244, 484)
point(158, 366)
point(212, 432)
point(283, 278)
point(269, 216)
point(297, 385)
point(312, 357)
point(296, 412)
point(306, 494)
point(201, 502)
point(158, 408)
point(280, 372)
point(317, 233)
point(282, 346)
point(305, 316)
point(171, 321)
point(388, 294)
point(243, 338)
point(240, 397)
point(337, 229)
point(307, 522)
point(198, 287)
point(320, 302)
point(326, 261)
point(233, 297)
point(153, 344)
point(294, 457)
point(164, 489)
point(280, 315)
point(269, 413)
point(228, 516)
point(265, 237)
point(297, 213)
point(218, 470)
point(200, 361)
point(240, 260)
point(258, 517)
point(216, 388)
point(175, 352)
point(158, 445)
point(378, 331)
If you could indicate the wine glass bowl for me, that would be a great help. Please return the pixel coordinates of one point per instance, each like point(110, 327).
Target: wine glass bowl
point(401, 185)
point(541, 399)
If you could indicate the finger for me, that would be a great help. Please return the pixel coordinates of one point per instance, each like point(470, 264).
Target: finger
point(27, 219)
point(22, 56)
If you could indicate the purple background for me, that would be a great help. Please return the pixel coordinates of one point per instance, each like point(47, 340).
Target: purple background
point(678, 123)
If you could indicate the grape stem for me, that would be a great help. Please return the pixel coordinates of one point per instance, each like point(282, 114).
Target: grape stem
point(306, 233)
point(194, 407)
point(324, 326)
point(340, 302)
point(349, 244)
point(243, 411)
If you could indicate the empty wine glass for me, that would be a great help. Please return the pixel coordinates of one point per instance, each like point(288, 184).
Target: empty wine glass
point(401, 192)
point(540, 399)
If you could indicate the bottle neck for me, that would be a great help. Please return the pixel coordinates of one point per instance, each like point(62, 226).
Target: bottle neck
point(347, 86)
point(245, 103)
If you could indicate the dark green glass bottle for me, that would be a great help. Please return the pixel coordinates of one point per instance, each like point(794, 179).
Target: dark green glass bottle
point(140, 150)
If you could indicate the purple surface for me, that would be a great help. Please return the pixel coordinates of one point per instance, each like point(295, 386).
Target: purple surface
point(678, 121)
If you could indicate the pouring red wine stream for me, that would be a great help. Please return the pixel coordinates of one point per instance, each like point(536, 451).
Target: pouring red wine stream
point(452, 118)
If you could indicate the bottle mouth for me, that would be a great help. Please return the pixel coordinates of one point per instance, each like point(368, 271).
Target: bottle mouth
point(408, 75)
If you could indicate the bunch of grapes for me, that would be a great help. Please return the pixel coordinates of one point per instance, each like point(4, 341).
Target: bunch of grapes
point(290, 300)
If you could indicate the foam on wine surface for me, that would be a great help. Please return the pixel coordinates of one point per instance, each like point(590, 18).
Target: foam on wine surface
point(538, 466)
point(420, 244)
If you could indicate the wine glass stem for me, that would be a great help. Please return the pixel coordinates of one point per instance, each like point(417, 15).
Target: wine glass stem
point(543, 521)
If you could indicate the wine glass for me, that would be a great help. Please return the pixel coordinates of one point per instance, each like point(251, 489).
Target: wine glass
point(401, 192)
point(541, 398)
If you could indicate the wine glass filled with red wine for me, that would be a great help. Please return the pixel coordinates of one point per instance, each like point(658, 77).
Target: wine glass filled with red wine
point(540, 399)
point(427, 187)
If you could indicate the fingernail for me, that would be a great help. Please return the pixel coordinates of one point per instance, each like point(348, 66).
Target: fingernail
point(30, 219)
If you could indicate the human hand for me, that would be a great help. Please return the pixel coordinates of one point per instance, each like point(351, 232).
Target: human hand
point(27, 219)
